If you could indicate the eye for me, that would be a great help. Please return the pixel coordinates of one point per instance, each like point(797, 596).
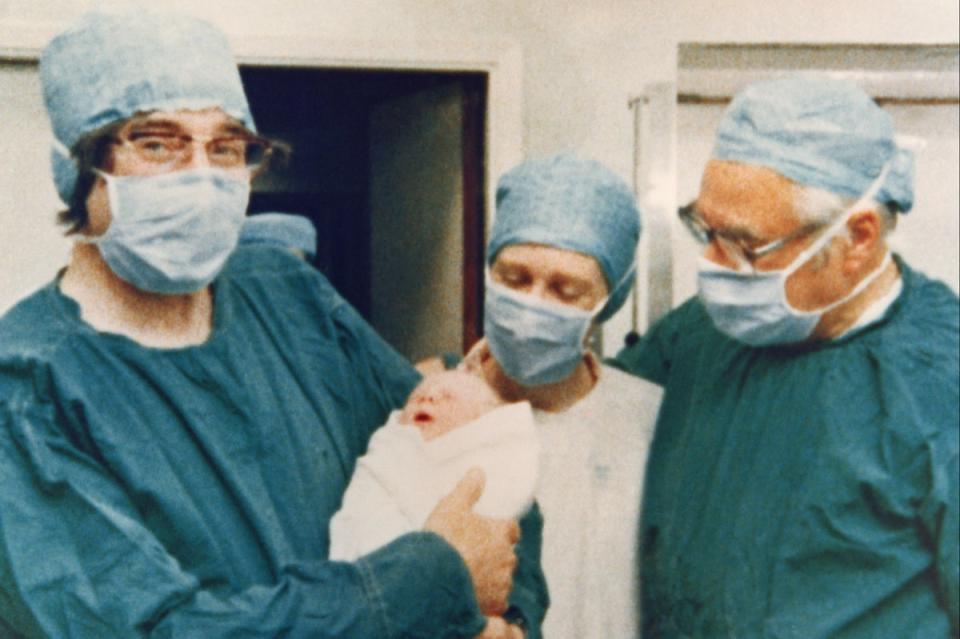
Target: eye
point(567, 291)
point(513, 279)
point(228, 151)
point(694, 223)
point(155, 146)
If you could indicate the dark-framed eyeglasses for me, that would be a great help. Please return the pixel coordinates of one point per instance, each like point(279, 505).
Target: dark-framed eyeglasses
point(165, 148)
point(737, 249)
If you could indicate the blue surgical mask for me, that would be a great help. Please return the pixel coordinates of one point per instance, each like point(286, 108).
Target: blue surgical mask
point(172, 233)
point(535, 342)
point(752, 307)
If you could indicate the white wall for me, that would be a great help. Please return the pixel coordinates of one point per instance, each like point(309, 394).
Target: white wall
point(929, 236)
point(581, 60)
point(817, 21)
point(31, 246)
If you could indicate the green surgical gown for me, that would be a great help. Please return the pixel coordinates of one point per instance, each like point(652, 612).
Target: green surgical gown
point(187, 492)
point(807, 492)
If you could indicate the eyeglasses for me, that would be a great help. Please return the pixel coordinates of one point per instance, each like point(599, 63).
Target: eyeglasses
point(169, 148)
point(736, 248)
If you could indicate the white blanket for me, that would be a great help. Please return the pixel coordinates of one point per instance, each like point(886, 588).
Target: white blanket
point(397, 484)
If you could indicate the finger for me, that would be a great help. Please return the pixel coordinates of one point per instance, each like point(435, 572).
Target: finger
point(498, 608)
point(467, 364)
point(506, 529)
point(475, 354)
point(489, 631)
point(473, 360)
point(495, 626)
point(468, 490)
point(513, 532)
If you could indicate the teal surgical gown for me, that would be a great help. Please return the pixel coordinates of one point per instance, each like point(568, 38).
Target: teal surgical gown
point(187, 492)
point(807, 492)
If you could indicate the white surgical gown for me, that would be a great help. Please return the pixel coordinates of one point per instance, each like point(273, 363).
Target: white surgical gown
point(591, 478)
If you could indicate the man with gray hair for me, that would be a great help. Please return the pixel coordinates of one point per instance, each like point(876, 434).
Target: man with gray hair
point(803, 480)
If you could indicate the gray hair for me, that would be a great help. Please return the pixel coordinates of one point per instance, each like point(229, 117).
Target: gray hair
point(819, 206)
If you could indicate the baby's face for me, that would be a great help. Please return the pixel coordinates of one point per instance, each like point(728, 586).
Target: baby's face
point(443, 401)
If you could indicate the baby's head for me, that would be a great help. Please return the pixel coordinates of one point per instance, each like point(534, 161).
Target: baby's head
point(443, 401)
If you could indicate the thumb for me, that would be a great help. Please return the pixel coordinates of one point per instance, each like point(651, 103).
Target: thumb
point(473, 361)
point(468, 490)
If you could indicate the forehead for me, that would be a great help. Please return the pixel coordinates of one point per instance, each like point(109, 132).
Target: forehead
point(457, 382)
point(549, 260)
point(747, 197)
point(197, 121)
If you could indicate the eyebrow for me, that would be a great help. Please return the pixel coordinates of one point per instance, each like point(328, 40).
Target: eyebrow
point(230, 128)
point(155, 124)
point(732, 232)
point(237, 129)
point(565, 278)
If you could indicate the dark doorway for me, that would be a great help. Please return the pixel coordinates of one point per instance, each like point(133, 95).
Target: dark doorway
point(334, 121)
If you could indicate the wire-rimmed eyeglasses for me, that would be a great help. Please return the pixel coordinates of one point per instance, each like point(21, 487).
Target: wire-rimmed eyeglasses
point(166, 148)
point(735, 248)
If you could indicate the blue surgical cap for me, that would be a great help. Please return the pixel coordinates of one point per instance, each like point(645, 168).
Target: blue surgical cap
point(283, 230)
point(110, 66)
point(571, 203)
point(819, 132)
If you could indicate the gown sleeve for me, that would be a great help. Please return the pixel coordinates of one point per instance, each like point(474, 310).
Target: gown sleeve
point(529, 600)
point(77, 561)
point(384, 377)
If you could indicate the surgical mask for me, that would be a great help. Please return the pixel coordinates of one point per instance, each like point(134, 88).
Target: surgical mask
point(172, 233)
point(752, 307)
point(535, 342)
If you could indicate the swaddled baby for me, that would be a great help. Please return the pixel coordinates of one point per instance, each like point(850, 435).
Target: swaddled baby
point(451, 423)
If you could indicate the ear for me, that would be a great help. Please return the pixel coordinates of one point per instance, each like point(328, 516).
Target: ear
point(97, 204)
point(865, 234)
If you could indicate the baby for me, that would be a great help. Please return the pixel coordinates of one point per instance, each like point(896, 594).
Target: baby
point(443, 401)
point(451, 423)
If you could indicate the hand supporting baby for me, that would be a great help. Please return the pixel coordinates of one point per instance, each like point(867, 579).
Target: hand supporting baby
point(498, 628)
point(485, 544)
